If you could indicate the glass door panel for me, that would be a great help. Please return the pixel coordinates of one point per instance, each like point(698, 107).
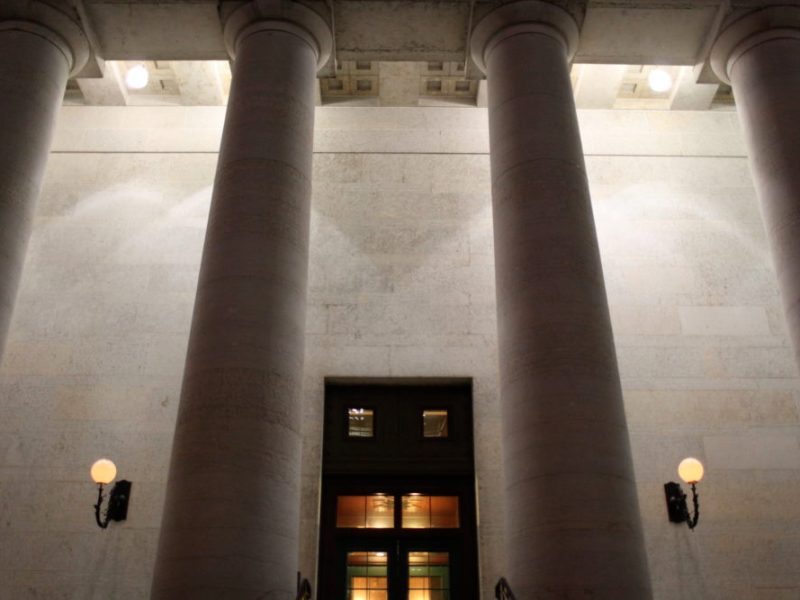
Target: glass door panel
point(428, 575)
point(367, 576)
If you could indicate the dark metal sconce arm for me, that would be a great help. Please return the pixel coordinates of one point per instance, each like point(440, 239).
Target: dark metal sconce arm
point(692, 521)
point(103, 523)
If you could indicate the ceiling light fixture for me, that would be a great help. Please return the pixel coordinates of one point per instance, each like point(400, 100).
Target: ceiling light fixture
point(103, 472)
point(691, 471)
point(137, 77)
point(659, 80)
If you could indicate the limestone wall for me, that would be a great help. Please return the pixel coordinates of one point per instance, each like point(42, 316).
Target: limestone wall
point(402, 284)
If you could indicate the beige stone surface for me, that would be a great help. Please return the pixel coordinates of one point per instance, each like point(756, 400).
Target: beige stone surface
point(95, 351)
point(724, 320)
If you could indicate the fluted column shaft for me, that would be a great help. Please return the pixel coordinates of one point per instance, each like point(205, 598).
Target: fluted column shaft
point(760, 56)
point(230, 525)
point(573, 527)
point(39, 46)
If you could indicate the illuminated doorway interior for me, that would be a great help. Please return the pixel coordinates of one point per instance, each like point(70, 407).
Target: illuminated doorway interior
point(427, 574)
point(398, 510)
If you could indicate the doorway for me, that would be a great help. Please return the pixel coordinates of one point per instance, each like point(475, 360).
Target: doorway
point(398, 517)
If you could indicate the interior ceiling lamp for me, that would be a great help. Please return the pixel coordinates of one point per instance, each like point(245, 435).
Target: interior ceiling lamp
point(137, 77)
point(659, 80)
point(103, 472)
point(691, 471)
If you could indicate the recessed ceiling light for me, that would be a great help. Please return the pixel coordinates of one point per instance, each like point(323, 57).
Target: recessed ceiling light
point(659, 80)
point(137, 77)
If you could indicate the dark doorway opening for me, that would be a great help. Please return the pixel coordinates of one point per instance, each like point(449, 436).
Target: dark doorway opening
point(398, 518)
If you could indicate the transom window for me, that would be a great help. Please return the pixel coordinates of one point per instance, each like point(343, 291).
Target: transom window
point(430, 512)
point(377, 511)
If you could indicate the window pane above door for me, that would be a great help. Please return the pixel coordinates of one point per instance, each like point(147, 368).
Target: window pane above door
point(374, 511)
point(430, 512)
point(444, 512)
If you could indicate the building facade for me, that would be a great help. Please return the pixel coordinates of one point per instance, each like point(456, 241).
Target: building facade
point(496, 325)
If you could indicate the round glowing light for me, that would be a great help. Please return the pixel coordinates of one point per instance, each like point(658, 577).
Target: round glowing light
point(104, 471)
point(659, 80)
point(137, 77)
point(690, 470)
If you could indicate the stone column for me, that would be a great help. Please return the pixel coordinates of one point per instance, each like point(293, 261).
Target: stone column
point(573, 528)
point(759, 55)
point(231, 519)
point(39, 47)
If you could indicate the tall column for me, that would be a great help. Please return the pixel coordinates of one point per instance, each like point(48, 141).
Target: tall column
point(231, 520)
point(759, 55)
point(572, 528)
point(39, 47)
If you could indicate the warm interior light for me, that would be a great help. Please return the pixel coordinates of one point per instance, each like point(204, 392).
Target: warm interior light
point(104, 471)
point(137, 77)
point(659, 80)
point(690, 470)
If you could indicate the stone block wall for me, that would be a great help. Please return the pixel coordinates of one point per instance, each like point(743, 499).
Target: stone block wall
point(401, 285)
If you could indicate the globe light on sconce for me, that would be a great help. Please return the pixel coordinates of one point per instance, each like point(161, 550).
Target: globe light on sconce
point(103, 472)
point(691, 471)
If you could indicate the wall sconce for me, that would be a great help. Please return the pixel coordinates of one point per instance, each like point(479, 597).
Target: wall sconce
point(691, 471)
point(103, 472)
